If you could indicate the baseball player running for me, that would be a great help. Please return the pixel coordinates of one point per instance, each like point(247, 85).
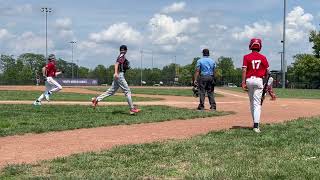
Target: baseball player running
point(49, 72)
point(255, 67)
point(119, 81)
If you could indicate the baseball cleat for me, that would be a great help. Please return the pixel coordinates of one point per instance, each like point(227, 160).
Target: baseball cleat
point(37, 103)
point(200, 108)
point(134, 110)
point(257, 130)
point(94, 102)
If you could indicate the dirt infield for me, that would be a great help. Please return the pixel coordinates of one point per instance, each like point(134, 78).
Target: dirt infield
point(30, 148)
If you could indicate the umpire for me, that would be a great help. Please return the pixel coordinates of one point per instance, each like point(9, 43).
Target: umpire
point(204, 77)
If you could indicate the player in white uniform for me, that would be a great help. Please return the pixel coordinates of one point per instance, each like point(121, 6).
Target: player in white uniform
point(255, 67)
point(49, 72)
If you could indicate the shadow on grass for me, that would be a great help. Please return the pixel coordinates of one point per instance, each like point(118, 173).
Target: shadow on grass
point(241, 127)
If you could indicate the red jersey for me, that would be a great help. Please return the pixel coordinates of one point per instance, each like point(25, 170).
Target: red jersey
point(51, 69)
point(256, 64)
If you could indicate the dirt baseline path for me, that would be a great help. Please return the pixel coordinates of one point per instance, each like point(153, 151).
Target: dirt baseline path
point(31, 148)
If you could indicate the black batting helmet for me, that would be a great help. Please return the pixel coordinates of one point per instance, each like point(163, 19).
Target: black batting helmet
point(51, 57)
point(123, 48)
point(205, 52)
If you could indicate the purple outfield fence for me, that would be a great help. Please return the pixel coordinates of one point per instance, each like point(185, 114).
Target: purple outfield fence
point(77, 82)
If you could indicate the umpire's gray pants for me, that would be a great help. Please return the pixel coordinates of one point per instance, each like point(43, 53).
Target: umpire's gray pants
point(116, 84)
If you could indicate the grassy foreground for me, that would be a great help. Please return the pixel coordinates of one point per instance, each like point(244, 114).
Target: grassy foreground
point(281, 151)
point(63, 96)
point(290, 93)
point(21, 119)
point(156, 91)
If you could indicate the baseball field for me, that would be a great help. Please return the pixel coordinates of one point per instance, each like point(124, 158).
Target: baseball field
point(67, 139)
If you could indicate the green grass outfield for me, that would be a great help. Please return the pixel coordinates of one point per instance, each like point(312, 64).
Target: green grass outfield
point(63, 96)
point(21, 119)
point(281, 151)
point(156, 91)
point(290, 93)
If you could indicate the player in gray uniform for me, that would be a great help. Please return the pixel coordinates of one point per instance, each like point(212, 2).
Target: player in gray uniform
point(119, 81)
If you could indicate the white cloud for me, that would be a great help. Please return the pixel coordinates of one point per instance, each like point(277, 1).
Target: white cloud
point(299, 24)
point(117, 33)
point(29, 42)
point(63, 23)
point(169, 32)
point(64, 28)
point(17, 10)
point(175, 7)
point(256, 30)
point(218, 27)
point(4, 33)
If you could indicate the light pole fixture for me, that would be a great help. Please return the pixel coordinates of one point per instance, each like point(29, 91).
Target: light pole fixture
point(46, 10)
point(72, 45)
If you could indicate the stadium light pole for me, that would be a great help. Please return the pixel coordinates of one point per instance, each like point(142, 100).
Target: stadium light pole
point(154, 26)
point(175, 67)
point(281, 61)
point(284, 64)
point(46, 10)
point(141, 68)
point(78, 68)
point(72, 44)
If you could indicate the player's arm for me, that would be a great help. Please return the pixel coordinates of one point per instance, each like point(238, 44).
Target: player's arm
point(244, 73)
point(44, 71)
point(267, 67)
point(197, 73)
point(116, 70)
point(243, 84)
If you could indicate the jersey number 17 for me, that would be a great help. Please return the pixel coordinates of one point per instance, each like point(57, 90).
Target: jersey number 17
point(256, 64)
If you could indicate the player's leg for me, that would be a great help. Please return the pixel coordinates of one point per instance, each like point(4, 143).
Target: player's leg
point(111, 91)
point(202, 92)
point(42, 96)
point(210, 92)
point(127, 92)
point(250, 87)
point(257, 94)
point(55, 86)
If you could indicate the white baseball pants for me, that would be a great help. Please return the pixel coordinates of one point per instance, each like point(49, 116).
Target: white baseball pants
point(51, 86)
point(255, 88)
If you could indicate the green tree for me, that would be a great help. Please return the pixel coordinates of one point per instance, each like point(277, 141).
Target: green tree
point(306, 67)
point(9, 71)
point(315, 39)
point(168, 73)
point(34, 61)
point(31, 65)
point(226, 69)
point(83, 72)
point(100, 73)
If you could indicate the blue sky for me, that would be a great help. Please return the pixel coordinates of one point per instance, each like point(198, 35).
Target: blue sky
point(166, 28)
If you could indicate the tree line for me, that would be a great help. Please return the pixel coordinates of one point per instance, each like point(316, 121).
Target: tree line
point(27, 67)
point(304, 72)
